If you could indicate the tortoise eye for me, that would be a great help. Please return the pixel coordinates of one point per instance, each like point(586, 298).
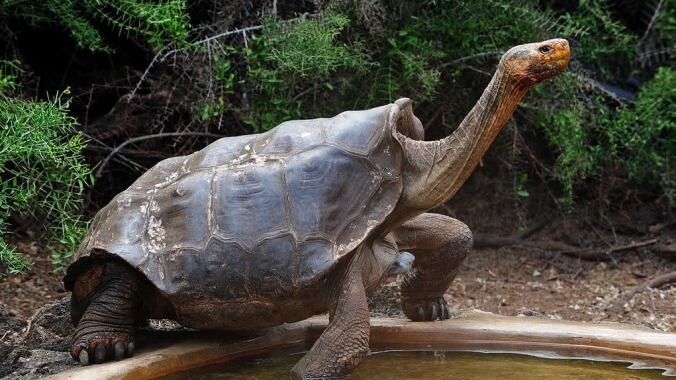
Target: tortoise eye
point(545, 49)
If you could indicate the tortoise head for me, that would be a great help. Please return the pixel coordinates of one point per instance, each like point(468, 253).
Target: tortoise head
point(531, 64)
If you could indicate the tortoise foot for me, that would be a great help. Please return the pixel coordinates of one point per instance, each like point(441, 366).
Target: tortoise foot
point(101, 347)
point(426, 310)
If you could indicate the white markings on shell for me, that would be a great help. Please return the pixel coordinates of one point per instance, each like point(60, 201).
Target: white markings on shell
point(342, 248)
point(168, 179)
point(123, 202)
point(154, 206)
point(156, 235)
point(180, 191)
point(259, 160)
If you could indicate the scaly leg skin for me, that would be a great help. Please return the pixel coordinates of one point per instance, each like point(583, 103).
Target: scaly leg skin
point(345, 342)
point(440, 245)
point(106, 329)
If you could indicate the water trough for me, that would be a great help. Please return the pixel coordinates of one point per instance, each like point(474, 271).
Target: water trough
point(643, 347)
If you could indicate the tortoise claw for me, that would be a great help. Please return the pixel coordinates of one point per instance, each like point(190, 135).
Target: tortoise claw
point(433, 312)
point(426, 310)
point(444, 311)
point(99, 348)
point(99, 353)
point(119, 351)
point(419, 314)
point(83, 357)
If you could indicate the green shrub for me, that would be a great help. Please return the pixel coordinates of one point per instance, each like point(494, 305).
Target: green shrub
point(569, 124)
point(42, 173)
point(642, 136)
point(591, 133)
point(157, 22)
point(291, 59)
point(432, 51)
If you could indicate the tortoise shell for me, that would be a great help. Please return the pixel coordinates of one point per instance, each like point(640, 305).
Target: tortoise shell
point(258, 216)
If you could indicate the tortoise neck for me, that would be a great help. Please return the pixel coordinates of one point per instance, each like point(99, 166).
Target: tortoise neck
point(441, 167)
point(470, 141)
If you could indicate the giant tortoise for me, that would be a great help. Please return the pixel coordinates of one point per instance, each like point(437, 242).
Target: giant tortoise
point(260, 230)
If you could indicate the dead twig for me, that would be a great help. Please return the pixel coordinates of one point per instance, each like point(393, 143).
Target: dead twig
point(595, 254)
point(534, 229)
point(652, 22)
point(497, 53)
point(652, 283)
point(656, 282)
point(561, 247)
point(118, 148)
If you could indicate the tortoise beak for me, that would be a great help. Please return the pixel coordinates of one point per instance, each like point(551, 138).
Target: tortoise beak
point(561, 53)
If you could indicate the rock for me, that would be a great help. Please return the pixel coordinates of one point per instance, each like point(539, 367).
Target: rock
point(10, 359)
point(11, 328)
point(38, 347)
point(10, 325)
point(31, 364)
point(50, 327)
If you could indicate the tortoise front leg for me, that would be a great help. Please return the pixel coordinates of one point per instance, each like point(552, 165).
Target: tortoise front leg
point(440, 245)
point(345, 342)
point(105, 330)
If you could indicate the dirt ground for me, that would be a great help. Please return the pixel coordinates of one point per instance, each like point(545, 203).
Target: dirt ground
point(23, 295)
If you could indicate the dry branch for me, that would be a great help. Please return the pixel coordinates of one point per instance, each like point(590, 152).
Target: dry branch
point(560, 247)
point(596, 254)
point(652, 283)
point(117, 149)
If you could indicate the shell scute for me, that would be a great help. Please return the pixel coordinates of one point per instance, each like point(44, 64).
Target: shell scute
point(315, 257)
point(291, 137)
point(127, 231)
point(372, 126)
point(274, 260)
point(221, 152)
point(248, 199)
point(321, 210)
point(181, 267)
point(179, 213)
point(221, 261)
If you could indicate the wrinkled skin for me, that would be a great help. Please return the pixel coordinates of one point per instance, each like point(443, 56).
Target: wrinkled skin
point(119, 281)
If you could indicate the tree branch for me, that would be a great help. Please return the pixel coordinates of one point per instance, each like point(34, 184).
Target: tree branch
point(653, 283)
point(561, 247)
point(104, 163)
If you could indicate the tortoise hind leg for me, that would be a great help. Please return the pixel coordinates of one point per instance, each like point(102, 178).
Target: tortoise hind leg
point(345, 342)
point(440, 245)
point(105, 330)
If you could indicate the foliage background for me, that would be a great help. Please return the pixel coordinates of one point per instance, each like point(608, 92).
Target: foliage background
point(115, 86)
